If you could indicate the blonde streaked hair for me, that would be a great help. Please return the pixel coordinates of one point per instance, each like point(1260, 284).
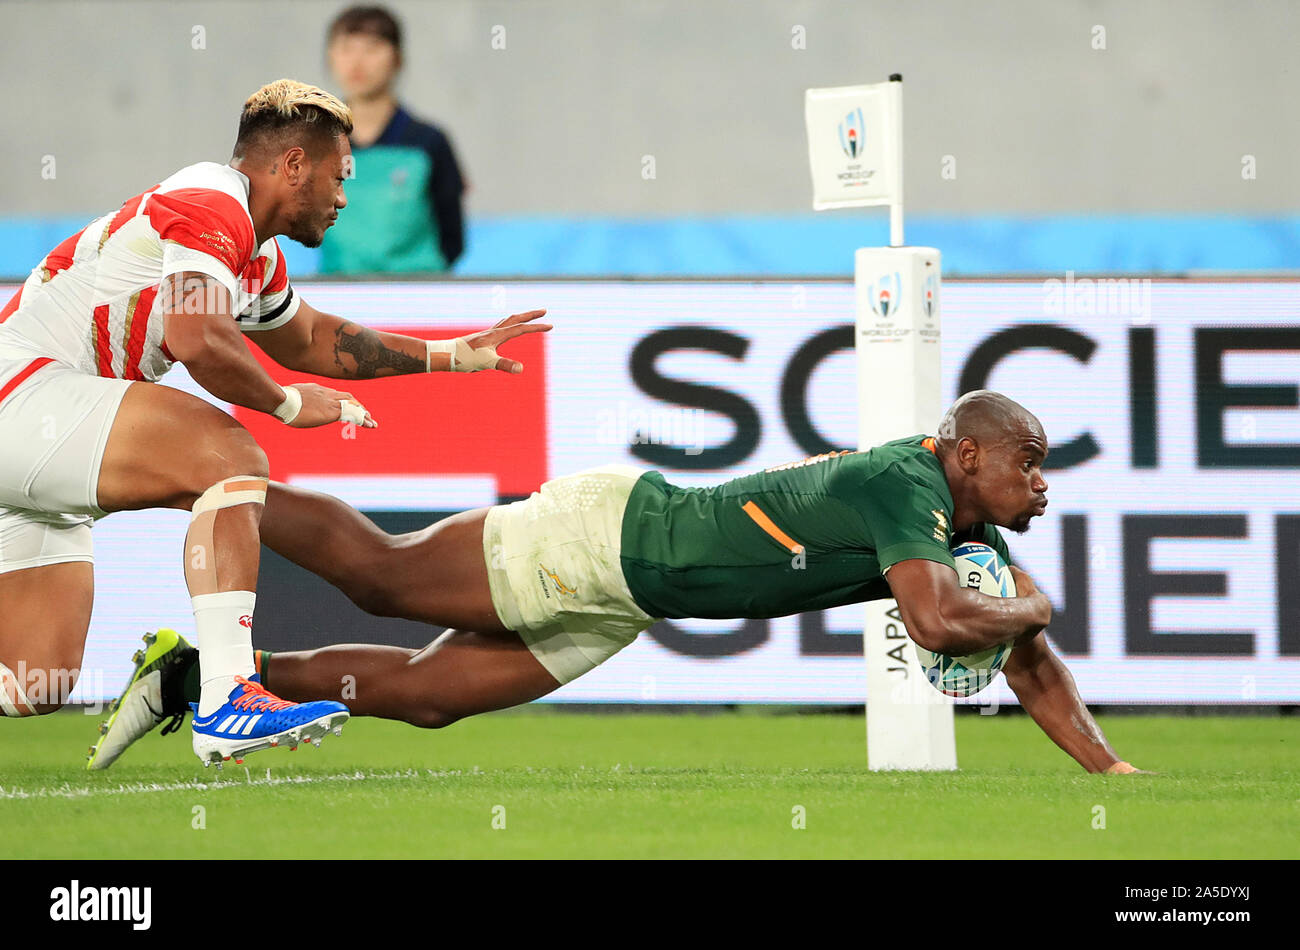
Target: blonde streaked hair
point(288, 106)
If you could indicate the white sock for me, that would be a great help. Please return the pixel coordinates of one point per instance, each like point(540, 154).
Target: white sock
point(225, 644)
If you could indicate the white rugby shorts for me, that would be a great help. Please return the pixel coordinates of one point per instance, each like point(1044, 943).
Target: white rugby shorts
point(555, 573)
point(54, 425)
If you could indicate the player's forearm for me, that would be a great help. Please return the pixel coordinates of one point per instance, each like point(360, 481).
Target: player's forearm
point(341, 349)
point(1047, 692)
point(199, 331)
point(223, 365)
point(972, 621)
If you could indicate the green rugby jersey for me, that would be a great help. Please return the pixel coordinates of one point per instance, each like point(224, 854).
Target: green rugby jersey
point(805, 536)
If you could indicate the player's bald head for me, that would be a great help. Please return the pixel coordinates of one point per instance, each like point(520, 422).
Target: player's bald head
point(993, 450)
point(988, 419)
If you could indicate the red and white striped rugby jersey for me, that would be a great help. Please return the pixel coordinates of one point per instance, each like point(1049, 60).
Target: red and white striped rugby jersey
point(94, 302)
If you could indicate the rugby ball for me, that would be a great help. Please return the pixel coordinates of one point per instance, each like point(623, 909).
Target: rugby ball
point(981, 568)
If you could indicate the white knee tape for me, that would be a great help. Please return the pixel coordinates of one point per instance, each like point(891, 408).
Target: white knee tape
point(240, 490)
point(13, 700)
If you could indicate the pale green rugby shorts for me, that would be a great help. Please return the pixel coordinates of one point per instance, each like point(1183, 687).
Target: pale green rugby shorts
point(555, 574)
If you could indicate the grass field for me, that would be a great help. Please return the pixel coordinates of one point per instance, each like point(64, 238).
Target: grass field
point(659, 786)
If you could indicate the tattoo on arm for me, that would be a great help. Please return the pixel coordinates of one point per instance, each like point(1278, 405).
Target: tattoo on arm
point(371, 356)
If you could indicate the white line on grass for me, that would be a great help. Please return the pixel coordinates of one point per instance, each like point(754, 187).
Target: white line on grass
point(144, 788)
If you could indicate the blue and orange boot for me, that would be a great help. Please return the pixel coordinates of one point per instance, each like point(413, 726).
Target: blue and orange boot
point(252, 719)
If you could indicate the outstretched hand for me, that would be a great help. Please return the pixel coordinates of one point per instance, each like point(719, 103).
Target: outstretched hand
point(512, 326)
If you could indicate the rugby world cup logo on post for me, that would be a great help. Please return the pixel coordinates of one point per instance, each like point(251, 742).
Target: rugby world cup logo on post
point(886, 293)
point(930, 294)
point(851, 134)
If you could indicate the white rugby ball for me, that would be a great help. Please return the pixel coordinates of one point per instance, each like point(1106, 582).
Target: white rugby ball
point(979, 567)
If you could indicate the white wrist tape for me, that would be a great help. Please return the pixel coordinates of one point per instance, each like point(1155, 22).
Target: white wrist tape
point(292, 405)
point(462, 357)
point(439, 346)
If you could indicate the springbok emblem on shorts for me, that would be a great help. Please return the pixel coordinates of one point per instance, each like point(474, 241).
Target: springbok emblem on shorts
point(560, 586)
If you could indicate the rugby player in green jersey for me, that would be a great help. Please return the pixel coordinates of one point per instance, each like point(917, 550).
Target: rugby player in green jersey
point(538, 592)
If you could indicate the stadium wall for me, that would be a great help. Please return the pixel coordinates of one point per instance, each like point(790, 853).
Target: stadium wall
point(665, 138)
point(1013, 107)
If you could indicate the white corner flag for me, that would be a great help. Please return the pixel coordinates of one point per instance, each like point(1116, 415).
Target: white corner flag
point(855, 149)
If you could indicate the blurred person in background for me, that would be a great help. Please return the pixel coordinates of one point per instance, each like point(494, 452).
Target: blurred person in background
point(405, 199)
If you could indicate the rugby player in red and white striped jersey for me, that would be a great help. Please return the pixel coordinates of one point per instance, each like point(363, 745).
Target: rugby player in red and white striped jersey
point(177, 274)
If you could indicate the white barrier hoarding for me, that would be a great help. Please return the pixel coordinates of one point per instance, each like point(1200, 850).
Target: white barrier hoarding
point(1171, 549)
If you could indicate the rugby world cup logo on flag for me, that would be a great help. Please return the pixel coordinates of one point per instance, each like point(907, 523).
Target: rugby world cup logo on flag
point(886, 293)
point(852, 138)
point(930, 296)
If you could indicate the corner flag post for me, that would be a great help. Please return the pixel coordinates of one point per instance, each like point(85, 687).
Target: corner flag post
point(855, 149)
